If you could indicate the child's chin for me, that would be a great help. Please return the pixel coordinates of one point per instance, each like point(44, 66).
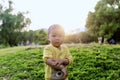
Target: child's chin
point(57, 45)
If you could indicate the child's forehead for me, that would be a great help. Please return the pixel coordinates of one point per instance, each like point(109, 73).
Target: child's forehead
point(57, 31)
point(55, 28)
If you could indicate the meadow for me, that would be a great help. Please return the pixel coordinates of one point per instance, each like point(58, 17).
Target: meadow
point(91, 62)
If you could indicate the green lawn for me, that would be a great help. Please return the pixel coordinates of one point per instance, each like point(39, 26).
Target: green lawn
point(9, 50)
point(91, 62)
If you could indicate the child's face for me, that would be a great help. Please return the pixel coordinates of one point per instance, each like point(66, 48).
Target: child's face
point(56, 37)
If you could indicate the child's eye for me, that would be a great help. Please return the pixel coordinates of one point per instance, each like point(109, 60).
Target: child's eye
point(57, 35)
point(53, 35)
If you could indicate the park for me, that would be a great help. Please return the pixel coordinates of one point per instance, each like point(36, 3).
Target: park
point(95, 51)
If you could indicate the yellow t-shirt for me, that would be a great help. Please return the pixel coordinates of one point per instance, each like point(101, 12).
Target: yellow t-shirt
point(54, 53)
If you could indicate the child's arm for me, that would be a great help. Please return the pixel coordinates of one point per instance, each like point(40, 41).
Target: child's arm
point(63, 62)
point(54, 63)
point(51, 62)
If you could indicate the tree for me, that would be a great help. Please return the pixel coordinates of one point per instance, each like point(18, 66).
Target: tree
point(12, 25)
point(37, 36)
point(41, 36)
point(104, 21)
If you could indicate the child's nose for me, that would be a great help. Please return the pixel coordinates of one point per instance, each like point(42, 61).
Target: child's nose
point(57, 38)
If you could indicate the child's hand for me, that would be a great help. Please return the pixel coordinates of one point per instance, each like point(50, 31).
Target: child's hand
point(51, 62)
point(64, 70)
point(59, 62)
point(62, 62)
point(54, 63)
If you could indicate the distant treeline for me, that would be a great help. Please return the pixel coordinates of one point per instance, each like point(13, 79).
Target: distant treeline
point(103, 22)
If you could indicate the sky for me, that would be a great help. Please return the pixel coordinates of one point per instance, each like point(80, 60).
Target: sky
point(71, 14)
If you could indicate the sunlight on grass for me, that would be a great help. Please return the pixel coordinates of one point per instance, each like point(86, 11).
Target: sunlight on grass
point(11, 50)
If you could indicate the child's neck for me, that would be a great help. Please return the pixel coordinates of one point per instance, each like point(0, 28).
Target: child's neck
point(58, 47)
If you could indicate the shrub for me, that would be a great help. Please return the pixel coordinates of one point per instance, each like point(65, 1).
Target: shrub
point(90, 63)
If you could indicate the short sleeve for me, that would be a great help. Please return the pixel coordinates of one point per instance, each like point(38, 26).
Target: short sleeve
point(68, 55)
point(47, 53)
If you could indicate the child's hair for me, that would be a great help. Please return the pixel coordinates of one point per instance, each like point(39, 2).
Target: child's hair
point(55, 26)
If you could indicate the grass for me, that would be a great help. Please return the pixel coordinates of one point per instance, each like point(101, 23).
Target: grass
point(22, 65)
point(9, 50)
point(91, 62)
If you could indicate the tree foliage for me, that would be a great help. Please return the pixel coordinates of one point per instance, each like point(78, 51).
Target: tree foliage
point(41, 37)
point(37, 37)
point(104, 21)
point(12, 25)
point(82, 37)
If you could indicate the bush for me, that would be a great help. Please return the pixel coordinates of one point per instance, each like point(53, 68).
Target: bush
point(3, 46)
point(95, 63)
point(90, 63)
